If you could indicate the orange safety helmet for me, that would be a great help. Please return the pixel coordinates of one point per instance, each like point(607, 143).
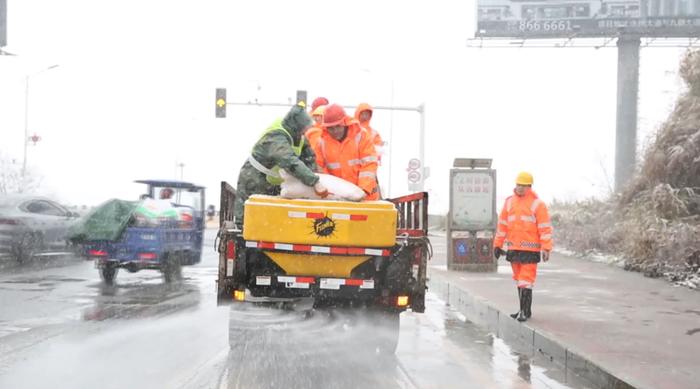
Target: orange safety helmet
point(334, 115)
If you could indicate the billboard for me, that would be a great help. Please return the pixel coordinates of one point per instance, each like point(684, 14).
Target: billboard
point(587, 19)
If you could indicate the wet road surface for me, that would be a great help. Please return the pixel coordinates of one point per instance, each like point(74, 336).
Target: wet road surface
point(62, 328)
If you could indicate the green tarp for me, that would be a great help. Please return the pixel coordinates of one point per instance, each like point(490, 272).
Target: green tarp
point(106, 222)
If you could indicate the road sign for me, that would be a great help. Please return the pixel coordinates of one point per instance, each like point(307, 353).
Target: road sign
point(220, 102)
point(414, 164)
point(413, 177)
point(34, 139)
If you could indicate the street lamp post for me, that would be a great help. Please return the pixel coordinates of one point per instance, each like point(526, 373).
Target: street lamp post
point(181, 165)
point(26, 115)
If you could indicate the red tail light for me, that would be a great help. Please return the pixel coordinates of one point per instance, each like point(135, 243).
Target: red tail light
point(147, 256)
point(97, 253)
point(231, 250)
point(11, 222)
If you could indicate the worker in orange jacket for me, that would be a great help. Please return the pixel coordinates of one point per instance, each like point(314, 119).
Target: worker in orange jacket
point(363, 114)
point(313, 133)
point(344, 150)
point(524, 228)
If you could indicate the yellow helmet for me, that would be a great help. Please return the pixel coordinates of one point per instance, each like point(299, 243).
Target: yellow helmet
point(524, 178)
point(319, 110)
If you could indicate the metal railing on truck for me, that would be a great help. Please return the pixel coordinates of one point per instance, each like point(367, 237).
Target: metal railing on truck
point(412, 214)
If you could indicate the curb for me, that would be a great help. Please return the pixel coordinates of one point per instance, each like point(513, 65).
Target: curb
point(479, 311)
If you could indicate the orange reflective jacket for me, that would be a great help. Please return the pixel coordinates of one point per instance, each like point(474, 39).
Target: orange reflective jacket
point(524, 224)
point(353, 159)
point(374, 136)
point(312, 135)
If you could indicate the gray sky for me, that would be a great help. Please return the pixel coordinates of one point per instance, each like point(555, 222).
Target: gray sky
point(134, 92)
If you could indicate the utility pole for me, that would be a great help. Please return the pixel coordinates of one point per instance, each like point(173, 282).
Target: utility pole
point(181, 165)
point(26, 115)
point(627, 95)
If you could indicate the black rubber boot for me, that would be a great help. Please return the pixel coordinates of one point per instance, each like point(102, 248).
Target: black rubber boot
point(521, 315)
point(527, 302)
point(520, 302)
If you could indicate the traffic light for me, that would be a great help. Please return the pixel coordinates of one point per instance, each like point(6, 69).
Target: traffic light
point(3, 23)
point(220, 102)
point(301, 97)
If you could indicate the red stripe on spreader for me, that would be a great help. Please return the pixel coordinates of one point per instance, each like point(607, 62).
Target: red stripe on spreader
point(358, 217)
point(313, 215)
point(306, 280)
point(339, 250)
point(353, 282)
point(303, 248)
point(356, 250)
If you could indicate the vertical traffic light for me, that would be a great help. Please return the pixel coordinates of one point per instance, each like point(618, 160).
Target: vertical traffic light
point(301, 97)
point(3, 23)
point(220, 102)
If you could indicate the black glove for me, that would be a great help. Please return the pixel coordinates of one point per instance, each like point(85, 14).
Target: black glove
point(497, 252)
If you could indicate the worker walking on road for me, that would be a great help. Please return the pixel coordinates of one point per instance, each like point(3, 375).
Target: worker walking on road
point(524, 228)
point(283, 146)
point(345, 150)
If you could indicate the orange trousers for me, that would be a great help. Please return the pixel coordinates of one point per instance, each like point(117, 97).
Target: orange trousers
point(524, 274)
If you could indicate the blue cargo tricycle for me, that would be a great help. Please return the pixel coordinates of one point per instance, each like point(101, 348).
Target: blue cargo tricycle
point(163, 231)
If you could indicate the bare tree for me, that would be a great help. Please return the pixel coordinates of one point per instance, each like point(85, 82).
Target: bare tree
point(11, 180)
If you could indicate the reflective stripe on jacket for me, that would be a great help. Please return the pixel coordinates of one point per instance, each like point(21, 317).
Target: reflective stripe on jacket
point(353, 159)
point(524, 224)
point(272, 174)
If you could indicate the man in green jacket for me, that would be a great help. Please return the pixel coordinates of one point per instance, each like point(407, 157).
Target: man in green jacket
point(281, 146)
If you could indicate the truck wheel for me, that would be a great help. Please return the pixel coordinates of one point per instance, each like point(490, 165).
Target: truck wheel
point(108, 274)
point(172, 268)
point(27, 246)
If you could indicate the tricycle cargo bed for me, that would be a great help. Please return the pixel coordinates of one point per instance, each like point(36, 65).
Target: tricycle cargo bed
point(146, 245)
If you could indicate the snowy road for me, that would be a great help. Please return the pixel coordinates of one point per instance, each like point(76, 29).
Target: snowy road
point(61, 328)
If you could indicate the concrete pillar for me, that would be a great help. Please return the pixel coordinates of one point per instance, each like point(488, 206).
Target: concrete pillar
point(627, 93)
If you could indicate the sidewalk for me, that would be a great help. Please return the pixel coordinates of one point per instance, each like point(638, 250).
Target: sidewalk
point(615, 328)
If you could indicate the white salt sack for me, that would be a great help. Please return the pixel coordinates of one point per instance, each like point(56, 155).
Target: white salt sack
point(338, 188)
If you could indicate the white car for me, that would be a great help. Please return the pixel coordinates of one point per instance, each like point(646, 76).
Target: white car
point(32, 226)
